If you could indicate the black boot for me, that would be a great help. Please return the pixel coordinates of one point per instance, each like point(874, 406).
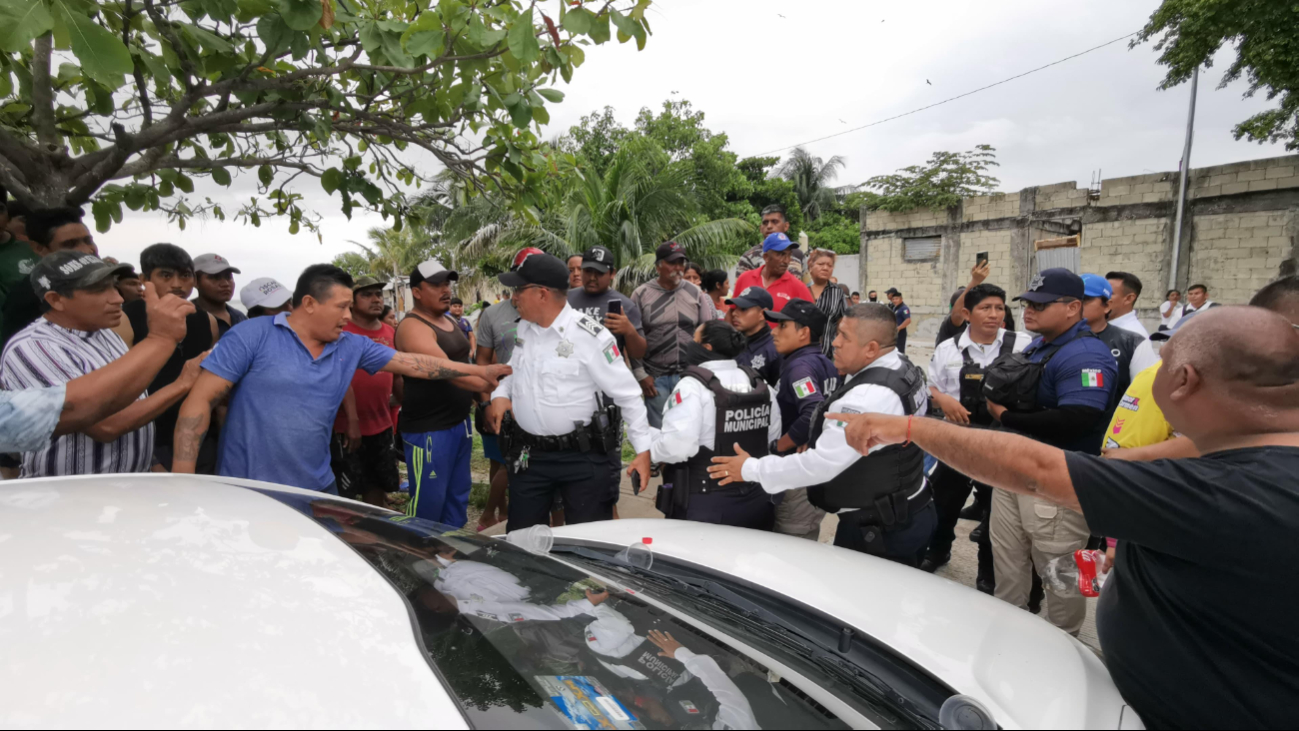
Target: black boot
point(931, 563)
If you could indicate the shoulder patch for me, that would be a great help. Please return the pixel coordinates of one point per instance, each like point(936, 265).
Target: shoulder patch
point(592, 327)
point(804, 388)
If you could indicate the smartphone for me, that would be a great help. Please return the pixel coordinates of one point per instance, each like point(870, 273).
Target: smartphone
point(980, 258)
point(615, 307)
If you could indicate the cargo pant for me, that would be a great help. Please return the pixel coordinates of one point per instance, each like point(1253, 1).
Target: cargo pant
point(797, 517)
point(1028, 532)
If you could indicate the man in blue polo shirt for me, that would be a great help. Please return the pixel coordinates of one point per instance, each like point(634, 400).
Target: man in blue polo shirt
point(1073, 395)
point(288, 374)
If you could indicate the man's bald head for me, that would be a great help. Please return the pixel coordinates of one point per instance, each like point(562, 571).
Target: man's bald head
point(872, 322)
point(1281, 297)
point(1245, 360)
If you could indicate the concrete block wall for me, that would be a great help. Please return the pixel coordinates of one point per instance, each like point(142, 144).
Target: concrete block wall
point(985, 207)
point(1278, 173)
point(1138, 246)
point(1155, 188)
point(920, 282)
point(1061, 195)
point(1236, 254)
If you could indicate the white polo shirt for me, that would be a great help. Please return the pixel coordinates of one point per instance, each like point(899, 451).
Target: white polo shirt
point(946, 363)
point(1132, 324)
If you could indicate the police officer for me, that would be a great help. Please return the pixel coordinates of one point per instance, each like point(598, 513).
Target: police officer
point(1132, 352)
point(747, 316)
point(1077, 375)
point(956, 388)
point(716, 405)
point(884, 504)
point(806, 376)
point(561, 437)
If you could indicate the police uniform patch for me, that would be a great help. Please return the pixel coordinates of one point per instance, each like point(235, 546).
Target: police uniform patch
point(844, 410)
point(590, 326)
point(804, 388)
point(1093, 378)
point(758, 361)
point(611, 353)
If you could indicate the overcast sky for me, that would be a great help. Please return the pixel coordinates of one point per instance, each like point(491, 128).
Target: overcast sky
point(830, 65)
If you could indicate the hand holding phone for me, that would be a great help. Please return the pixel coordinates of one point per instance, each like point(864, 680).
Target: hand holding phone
point(615, 307)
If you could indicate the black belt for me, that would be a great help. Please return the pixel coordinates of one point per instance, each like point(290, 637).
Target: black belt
point(894, 510)
point(578, 440)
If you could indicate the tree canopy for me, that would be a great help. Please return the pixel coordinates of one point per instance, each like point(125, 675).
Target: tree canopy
point(125, 102)
point(940, 183)
point(1265, 34)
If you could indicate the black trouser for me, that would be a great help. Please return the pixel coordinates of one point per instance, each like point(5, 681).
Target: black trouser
point(751, 509)
point(588, 482)
point(903, 544)
point(951, 490)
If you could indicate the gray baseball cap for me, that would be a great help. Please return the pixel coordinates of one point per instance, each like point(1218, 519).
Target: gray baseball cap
point(213, 264)
point(75, 270)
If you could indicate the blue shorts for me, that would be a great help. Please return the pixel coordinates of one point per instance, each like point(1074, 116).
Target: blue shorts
point(438, 465)
point(492, 448)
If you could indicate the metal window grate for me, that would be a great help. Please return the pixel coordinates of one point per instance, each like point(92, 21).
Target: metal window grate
point(927, 248)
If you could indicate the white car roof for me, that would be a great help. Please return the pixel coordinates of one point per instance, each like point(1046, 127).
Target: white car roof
point(210, 605)
point(1027, 672)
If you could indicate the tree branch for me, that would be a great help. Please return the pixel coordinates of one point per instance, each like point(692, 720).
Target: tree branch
point(43, 92)
point(170, 162)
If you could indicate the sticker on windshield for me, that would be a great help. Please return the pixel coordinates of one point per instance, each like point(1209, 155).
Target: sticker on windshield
point(587, 704)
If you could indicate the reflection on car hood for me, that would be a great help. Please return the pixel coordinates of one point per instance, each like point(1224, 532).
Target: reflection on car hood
point(1028, 673)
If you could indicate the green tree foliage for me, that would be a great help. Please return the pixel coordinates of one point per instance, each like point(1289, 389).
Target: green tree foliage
point(125, 102)
point(679, 130)
point(940, 183)
point(835, 231)
point(766, 190)
point(1265, 34)
point(390, 253)
point(595, 139)
point(811, 177)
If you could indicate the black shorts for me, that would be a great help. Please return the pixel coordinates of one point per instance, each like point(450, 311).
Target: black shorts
point(372, 466)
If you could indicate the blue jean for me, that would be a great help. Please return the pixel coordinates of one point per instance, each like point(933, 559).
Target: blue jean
point(664, 386)
point(438, 465)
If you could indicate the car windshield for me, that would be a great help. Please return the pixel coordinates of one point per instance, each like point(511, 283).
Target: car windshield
point(524, 640)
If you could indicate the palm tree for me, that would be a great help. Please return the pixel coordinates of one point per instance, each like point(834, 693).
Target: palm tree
point(389, 254)
point(811, 178)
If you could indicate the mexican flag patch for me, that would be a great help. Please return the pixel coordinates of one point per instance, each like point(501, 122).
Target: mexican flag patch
point(804, 388)
point(1093, 378)
point(611, 353)
point(676, 399)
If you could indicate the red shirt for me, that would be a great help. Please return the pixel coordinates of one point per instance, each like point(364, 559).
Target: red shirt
point(372, 392)
point(788, 287)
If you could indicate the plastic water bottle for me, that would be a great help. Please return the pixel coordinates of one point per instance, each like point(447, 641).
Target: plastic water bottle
point(1082, 572)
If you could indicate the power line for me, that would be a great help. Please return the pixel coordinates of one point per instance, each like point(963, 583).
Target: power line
point(962, 96)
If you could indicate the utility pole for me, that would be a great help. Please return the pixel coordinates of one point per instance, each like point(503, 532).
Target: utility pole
point(1181, 190)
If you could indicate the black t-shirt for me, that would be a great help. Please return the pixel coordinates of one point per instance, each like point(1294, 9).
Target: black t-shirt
point(1197, 622)
point(436, 405)
point(198, 338)
point(22, 307)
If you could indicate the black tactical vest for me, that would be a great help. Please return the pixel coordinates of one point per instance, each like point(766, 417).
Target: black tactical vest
point(971, 379)
point(742, 418)
point(681, 693)
point(893, 469)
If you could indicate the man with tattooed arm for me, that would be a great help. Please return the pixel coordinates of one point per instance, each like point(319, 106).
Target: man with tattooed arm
point(286, 376)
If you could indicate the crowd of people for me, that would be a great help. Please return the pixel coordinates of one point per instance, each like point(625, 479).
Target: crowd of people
point(765, 404)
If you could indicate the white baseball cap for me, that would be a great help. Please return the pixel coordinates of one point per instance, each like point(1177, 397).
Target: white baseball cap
point(264, 292)
point(213, 264)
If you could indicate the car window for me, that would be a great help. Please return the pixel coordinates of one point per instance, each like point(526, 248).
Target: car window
point(521, 639)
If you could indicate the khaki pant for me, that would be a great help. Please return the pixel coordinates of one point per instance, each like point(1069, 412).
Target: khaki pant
point(1028, 532)
point(797, 517)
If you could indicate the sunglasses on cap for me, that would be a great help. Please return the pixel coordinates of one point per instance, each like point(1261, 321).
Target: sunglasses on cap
point(1041, 306)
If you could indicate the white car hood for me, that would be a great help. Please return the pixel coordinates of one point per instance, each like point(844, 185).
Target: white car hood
point(1027, 672)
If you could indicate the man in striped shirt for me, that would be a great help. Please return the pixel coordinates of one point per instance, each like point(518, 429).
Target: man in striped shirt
point(73, 338)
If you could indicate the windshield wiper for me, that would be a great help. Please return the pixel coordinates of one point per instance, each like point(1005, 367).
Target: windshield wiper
point(718, 597)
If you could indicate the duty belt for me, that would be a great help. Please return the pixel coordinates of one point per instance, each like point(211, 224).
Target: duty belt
point(892, 510)
point(575, 441)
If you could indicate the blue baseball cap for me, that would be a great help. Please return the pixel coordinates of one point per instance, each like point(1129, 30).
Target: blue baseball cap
point(1094, 285)
point(752, 297)
point(777, 242)
point(1051, 285)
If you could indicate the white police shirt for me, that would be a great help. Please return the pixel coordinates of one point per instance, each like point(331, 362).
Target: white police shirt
point(472, 581)
point(831, 455)
point(1132, 324)
point(558, 371)
point(1142, 358)
point(690, 415)
point(945, 366)
point(511, 612)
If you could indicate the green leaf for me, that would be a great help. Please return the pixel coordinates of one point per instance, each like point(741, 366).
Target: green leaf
point(274, 33)
point(523, 39)
point(551, 95)
point(521, 114)
point(625, 25)
point(293, 227)
point(301, 15)
point(184, 183)
point(371, 37)
point(429, 43)
point(21, 21)
point(221, 176)
point(265, 174)
point(209, 40)
point(578, 21)
point(6, 83)
point(136, 197)
point(102, 55)
point(600, 29)
point(332, 180)
point(352, 162)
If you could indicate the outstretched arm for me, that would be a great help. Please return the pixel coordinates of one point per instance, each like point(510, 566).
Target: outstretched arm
point(414, 365)
point(195, 418)
point(995, 458)
point(145, 410)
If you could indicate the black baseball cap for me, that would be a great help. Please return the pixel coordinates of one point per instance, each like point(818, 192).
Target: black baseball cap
point(804, 313)
point(542, 269)
point(597, 258)
point(1051, 285)
point(892, 291)
point(752, 297)
point(671, 251)
point(431, 271)
point(74, 269)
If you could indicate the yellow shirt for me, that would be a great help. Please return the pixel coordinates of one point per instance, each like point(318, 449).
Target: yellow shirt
point(1138, 421)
